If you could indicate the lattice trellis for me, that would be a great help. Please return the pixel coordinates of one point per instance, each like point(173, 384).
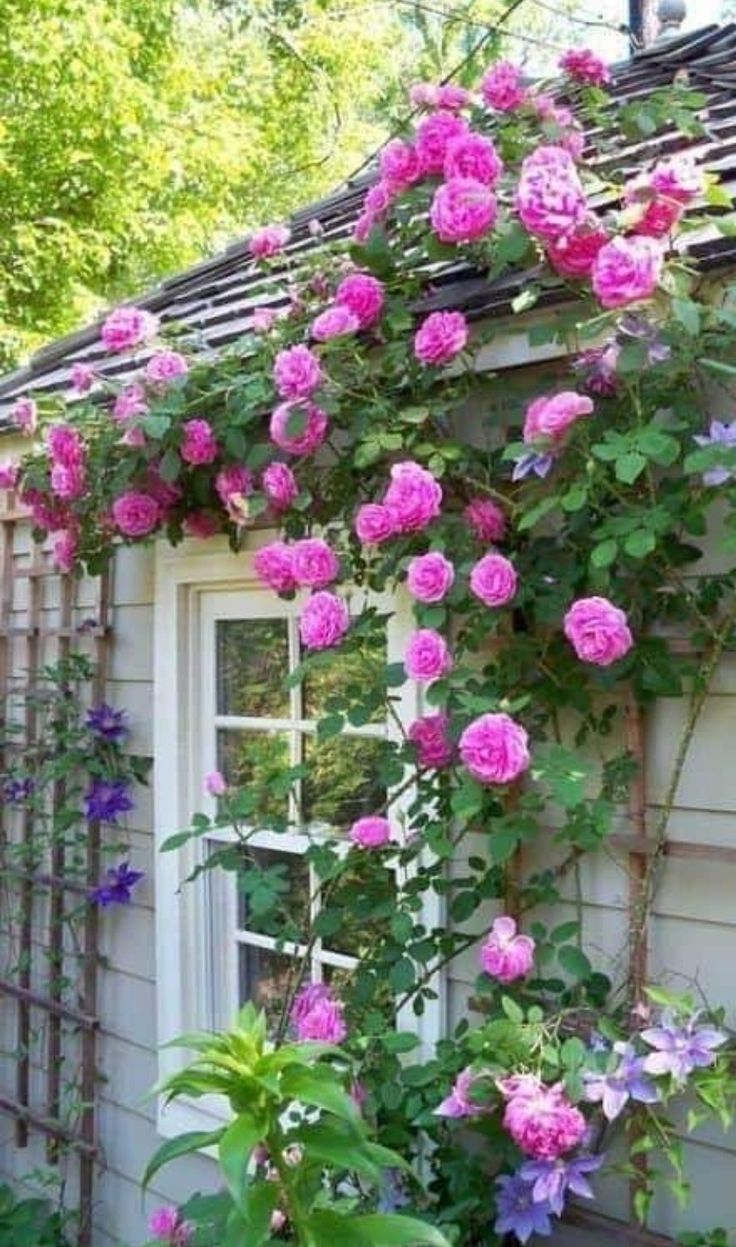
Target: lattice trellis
point(55, 1024)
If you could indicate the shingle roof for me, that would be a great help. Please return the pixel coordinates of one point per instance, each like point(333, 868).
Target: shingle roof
point(214, 300)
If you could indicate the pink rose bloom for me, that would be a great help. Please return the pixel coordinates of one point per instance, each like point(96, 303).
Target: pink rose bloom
point(429, 736)
point(133, 436)
point(201, 525)
point(505, 955)
point(400, 165)
point(68, 481)
point(274, 566)
point(364, 296)
point(494, 748)
point(268, 241)
point(305, 1000)
point(427, 655)
point(552, 415)
point(166, 493)
point(430, 577)
point(584, 66)
point(324, 621)
point(413, 498)
point(279, 485)
point(463, 211)
point(199, 444)
point(82, 378)
point(374, 524)
point(473, 156)
point(65, 445)
point(458, 1103)
point(278, 1221)
point(520, 1086)
point(486, 519)
point(65, 549)
point(135, 514)
point(550, 199)
point(433, 136)
point(297, 372)
point(378, 199)
point(544, 1125)
point(372, 832)
point(264, 319)
point(450, 95)
point(573, 255)
point(659, 218)
point(215, 784)
point(598, 631)
point(501, 87)
point(423, 95)
point(164, 367)
point(315, 565)
point(334, 322)
point(317, 1015)
point(494, 580)
point(441, 337)
point(9, 474)
point(678, 177)
point(364, 227)
point(24, 415)
point(298, 428)
point(163, 1222)
point(234, 481)
point(627, 270)
point(127, 327)
point(130, 404)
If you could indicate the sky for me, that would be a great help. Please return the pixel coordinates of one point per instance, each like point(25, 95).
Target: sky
point(614, 47)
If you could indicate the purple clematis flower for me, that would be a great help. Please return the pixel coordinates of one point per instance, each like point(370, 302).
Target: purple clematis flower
point(532, 464)
point(459, 1103)
point(680, 1049)
point(117, 886)
point(16, 791)
point(720, 435)
point(596, 370)
point(106, 723)
point(552, 1179)
point(632, 325)
point(107, 799)
point(627, 1081)
point(518, 1212)
point(393, 1193)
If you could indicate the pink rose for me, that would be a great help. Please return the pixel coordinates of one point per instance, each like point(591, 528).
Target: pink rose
point(297, 372)
point(677, 177)
point(130, 404)
point(215, 784)
point(626, 270)
point(430, 577)
point(135, 514)
point(378, 199)
point(199, 444)
point(459, 1102)
point(264, 319)
point(427, 655)
point(486, 519)
point(364, 296)
point(65, 549)
point(232, 482)
point(373, 524)
point(279, 485)
point(494, 580)
point(133, 436)
point(658, 218)
point(400, 165)
point(372, 832)
point(423, 95)
point(584, 66)
point(274, 565)
point(463, 211)
point(334, 322)
point(598, 631)
point(550, 199)
point(552, 415)
point(315, 565)
point(429, 736)
point(166, 493)
point(164, 367)
point(68, 481)
point(298, 428)
point(82, 378)
point(452, 96)
point(268, 241)
point(9, 474)
point(473, 156)
point(364, 227)
point(413, 498)
point(501, 87)
point(544, 1124)
point(324, 621)
point(441, 337)
point(201, 525)
point(65, 445)
point(127, 327)
point(433, 136)
point(494, 748)
point(505, 955)
point(318, 1016)
point(573, 255)
point(166, 1224)
point(278, 1221)
point(24, 415)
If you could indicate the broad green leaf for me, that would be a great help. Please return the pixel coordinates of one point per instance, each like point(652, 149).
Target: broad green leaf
point(182, 1145)
point(320, 1087)
point(630, 466)
point(604, 553)
point(574, 960)
point(235, 1150)
point(393, 1230)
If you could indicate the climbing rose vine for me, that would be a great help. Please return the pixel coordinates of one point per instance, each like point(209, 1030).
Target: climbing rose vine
point(546, 542)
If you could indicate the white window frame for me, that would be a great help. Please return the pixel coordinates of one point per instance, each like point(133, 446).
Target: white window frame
point(186, 579)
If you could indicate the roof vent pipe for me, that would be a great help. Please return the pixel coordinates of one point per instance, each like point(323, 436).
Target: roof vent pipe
point(670, 15)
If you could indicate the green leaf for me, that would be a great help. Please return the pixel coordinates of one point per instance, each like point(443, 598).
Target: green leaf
point(574, 961)
point(640, 543)
point(604, 553)
point(687, 314)
point(320, 1087)
point(338, 1145)
point(235, 1151)
point(260, 1200)
point(630, 466)
point(393, 1230)
point(170, 465)
point(182, 1145)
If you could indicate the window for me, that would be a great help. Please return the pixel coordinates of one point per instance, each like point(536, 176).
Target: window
point(224, 647)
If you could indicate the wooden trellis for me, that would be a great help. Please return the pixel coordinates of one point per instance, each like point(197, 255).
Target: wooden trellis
point(44, 896)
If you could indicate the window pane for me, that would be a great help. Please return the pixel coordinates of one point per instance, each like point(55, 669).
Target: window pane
point(265, 978)
point(367, 901)
point(286, 883)
point(342, 784)
point(356, 672)
point(252, 761)
point(252, 666)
